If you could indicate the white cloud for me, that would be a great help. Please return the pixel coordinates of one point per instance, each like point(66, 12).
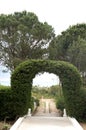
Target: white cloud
point(46, 80)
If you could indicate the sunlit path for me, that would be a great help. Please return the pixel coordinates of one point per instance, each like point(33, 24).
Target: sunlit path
point(46, 118)
point(48, 123)
point(47, 108)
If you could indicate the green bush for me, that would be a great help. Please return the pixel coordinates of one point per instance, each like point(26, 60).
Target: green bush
point(81, 104)
point(33, 99)
point(60, 103)
point(6, 103)
point(37, 101)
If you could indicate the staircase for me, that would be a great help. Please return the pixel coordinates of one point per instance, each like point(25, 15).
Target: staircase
point(46, 118)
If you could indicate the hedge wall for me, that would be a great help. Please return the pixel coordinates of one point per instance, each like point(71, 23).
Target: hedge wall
point(21, 84)
point(6, 103)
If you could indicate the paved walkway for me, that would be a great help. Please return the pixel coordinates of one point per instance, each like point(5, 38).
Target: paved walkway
point(47, 123)
point(47, 108)
point(46, 118)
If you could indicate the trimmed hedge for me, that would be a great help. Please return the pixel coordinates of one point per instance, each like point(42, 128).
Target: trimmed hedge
point(60, 103)
point(21, 82)
point(6, 103)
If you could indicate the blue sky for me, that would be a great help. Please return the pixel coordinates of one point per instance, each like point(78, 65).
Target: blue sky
point(4, 77)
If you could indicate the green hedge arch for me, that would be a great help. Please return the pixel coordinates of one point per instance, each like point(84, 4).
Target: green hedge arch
point(21, 82)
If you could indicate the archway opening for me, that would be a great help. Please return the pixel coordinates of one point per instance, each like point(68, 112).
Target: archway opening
point(47, 93)
point(47, 85)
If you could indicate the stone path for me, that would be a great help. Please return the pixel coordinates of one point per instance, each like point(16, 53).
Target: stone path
point(47, 123)
point(46, 118)
point(47, 108)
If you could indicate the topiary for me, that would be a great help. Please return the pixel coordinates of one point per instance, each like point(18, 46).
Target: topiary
point(21, 82)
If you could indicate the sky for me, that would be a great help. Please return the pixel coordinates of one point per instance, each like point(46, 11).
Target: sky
point(59, 13)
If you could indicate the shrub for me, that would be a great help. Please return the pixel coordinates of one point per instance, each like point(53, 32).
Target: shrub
point(33, 99)
point(6, 103)
point(60, 103)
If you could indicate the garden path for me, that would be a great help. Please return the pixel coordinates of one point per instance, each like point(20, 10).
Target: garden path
point(46, 118)
point(47, 108)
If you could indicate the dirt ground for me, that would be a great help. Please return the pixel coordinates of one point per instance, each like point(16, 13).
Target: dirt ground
point(2, 125)
point(83, 125)
point(6, 125)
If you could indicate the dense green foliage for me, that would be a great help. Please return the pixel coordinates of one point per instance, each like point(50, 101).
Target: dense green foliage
point(21, 82)
point(71, 46)
point(60, 103)
point(47, 92)
point(63, 42)
point(6, 102)
point(34, 99)
point(22, 37)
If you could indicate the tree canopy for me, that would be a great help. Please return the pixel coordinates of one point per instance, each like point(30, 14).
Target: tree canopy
point(23, 36)
point(71, 46)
